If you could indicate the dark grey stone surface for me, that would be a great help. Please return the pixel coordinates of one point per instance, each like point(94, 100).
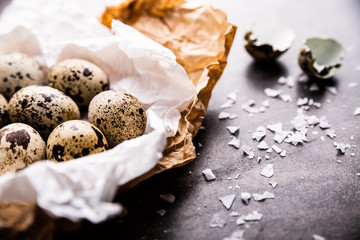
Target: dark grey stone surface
point(315, 195)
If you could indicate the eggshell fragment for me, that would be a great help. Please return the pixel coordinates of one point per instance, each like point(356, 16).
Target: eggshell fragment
point(266, 41)
point(321, 57)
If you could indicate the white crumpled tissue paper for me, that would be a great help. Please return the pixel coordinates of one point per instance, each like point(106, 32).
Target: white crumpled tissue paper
point(51, 31)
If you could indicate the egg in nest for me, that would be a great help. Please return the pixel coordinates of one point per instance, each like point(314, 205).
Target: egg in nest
point(4, 111)
point(43, 108)
point(79, 79)
point(74, 139)
point(119, 115)
point(20, 146)
point(17, 70)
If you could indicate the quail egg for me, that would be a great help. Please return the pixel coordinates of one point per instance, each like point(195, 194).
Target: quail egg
point(4, 111)
point(266, 41)
point(79, 79)
point(17, 70)
point(42, 107)
point(321, 57)
point(119, 115)
point(74, 139)
point(20, 146)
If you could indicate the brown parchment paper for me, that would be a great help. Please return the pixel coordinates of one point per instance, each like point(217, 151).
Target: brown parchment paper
point(201, 38)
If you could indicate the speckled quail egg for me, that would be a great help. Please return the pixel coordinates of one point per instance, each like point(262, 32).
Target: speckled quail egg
point(20, 146)
point(119, 115)
point(17, 70)
point(42, 107)
point(265, 41)
point(79, 79)
point(74, 139)
point(321, 57)
point(4, 113)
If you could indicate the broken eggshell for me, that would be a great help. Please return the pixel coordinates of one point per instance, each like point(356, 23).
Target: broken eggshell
point(268, 41)
point(321, 57)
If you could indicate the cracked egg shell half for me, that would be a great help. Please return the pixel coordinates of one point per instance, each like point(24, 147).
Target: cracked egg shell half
point(75, 139)
point(264, 41)
point(79, 79)
point(20, 146)
point(119, 115)
point(321, 57)
point(4, 111)
point(43, 108)
point(18, 70)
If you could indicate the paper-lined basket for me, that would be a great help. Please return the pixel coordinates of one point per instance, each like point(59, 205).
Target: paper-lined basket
point(200, 38)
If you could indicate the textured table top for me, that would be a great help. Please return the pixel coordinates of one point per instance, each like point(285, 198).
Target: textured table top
point(318, 191)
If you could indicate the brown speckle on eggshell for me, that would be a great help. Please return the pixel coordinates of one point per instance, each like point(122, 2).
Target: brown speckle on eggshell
point(74, 139)
point(20, 146)
point(79, 79)
point(43, 108)
point(119, 115)
point(17, 70)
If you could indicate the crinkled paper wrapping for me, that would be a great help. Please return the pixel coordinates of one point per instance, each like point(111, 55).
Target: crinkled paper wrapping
point(198, 35)
point(201, 39)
